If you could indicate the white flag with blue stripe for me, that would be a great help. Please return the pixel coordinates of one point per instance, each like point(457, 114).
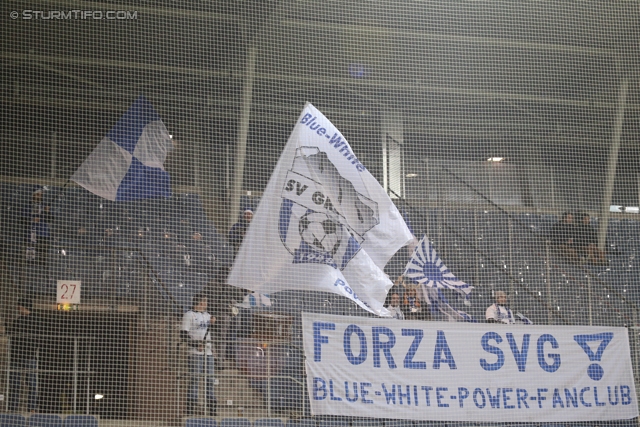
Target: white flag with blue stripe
point(426, 268)
point(128, 164)
point(323, 224)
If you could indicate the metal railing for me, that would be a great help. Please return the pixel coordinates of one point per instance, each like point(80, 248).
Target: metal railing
point(75, 373)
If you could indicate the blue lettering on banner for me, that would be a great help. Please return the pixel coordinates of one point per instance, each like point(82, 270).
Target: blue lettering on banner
point(390, 395)
point(415, 395)
point(384, 346)
point(595, 397)
point(426, 390)
point(557, 400)
point(362, 355)
point(625, 394)
point(521, 396)
point(494, 401)
point(319, 339)
point(406, 396)
point(364, 393)
point(615, 392)
point(478, 392)
point(442, 348)
point(463, 393)
point(571, 398)
point(493, 350)
point(541, 397)
point(542, 361)
point(439, 397)
point(346, 392)
point(506, 398)
point(582, 392)
point(331, 395)
point(519, 354)
point(418, 334)
point(319, 385)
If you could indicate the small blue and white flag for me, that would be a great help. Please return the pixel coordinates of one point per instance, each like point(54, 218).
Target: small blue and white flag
point(128, 164)
point(427, 269)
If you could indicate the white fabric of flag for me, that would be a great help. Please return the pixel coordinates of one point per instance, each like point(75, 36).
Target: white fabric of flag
point(128, 164)
point(426, 268)
point(323, 224)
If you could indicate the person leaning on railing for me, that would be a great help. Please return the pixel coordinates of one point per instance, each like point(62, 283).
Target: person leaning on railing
point(499, 312)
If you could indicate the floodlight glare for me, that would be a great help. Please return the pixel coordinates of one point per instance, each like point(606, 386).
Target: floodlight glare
point(495, 159)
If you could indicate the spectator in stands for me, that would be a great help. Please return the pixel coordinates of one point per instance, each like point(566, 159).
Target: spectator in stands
point(195, 332)
point(499, 312)
point(239, 229)
point(23, 355)
point(563, 236)
point(411, 302)
point(586, 241)
point(399, 286)
point(38, 230)
point(394, 307)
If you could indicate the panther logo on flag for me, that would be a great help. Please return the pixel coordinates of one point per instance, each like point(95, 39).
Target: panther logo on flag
point(323, 219)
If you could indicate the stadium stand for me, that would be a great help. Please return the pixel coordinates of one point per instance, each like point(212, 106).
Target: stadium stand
point(235, 422)
point(200, 422)
point(106, 254)
point(186, 266)
point(268, 422)
point(45, 420)
point(12, 420)
point(80, 421)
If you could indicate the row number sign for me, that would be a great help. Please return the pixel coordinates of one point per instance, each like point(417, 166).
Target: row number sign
point(68, 291)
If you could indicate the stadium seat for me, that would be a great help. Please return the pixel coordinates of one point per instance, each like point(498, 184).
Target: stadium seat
point(45, 420)
point(80, 421)
point(200, 422)
point(366, 422)
point(431, 424)
point(12, 420)
point(398, 423)
point(333, 421)
point(268, 422)
point(235, 422)
point(304, 422)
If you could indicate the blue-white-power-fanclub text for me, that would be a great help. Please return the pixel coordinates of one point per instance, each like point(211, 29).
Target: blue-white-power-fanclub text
point(460, 372)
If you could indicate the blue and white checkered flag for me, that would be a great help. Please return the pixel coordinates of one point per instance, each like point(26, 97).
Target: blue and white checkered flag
point(128, 164)
point(427, 269)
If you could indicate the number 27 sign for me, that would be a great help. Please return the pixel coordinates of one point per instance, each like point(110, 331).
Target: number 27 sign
point(69, 291)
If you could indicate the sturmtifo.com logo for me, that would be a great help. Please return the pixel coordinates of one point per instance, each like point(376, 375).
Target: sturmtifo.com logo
point(74, 14)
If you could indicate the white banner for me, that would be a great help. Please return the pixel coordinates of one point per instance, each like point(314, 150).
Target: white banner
point(324, 223)
point(416, 370)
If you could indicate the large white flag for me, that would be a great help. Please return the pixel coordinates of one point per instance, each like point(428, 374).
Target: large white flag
point(324, 223)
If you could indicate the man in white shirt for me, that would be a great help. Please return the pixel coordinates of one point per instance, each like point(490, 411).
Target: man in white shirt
point(499, 312)
point(394, 307)
point(195, 332)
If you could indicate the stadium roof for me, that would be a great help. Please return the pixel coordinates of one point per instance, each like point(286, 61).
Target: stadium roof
point(471, 78)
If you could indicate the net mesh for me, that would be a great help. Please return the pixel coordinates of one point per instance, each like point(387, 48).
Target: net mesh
point(486, 123)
